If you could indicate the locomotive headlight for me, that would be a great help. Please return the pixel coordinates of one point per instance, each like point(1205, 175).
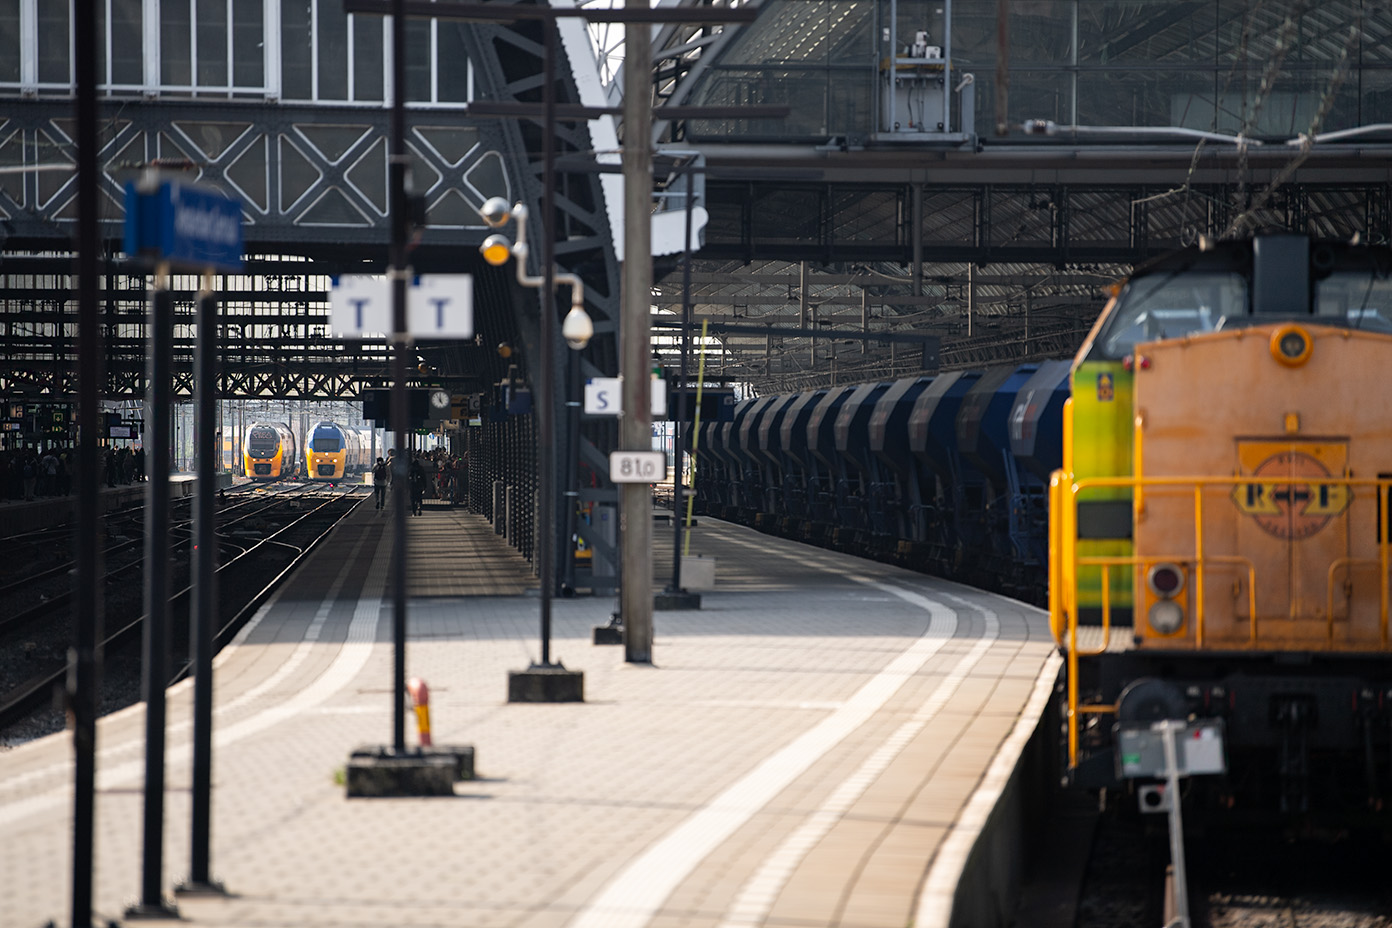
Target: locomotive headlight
point(1165, 580)
point(1291, 345)
point(1166, 617)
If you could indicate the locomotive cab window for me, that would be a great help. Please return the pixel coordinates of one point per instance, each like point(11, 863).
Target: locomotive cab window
point(1171, 306)
point(262, 441)
point(1361, 299)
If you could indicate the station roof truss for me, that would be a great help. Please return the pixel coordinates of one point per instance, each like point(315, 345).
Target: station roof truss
point(998, 249)
point(312, 182)
point(847, 232)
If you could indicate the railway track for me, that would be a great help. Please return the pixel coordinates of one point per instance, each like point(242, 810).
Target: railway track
point(30, 594)
point(261, 536)
point(1255, 879)
point(1108, 868)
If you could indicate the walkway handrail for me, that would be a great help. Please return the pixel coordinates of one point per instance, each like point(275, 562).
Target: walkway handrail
point(1066, 563)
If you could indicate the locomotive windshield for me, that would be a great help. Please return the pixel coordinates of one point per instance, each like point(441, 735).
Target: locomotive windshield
point(1237, 284)
point(1359, 299)
point(1171, 305)
point(262, 441)
point(327, 443)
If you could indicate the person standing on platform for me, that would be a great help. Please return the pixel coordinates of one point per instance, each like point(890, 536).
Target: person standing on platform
point(30, 471)
point(417, 484)
point(67, 464)
point(48, 474)
point(379, 482)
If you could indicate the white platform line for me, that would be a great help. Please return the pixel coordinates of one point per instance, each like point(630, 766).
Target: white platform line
point(633, 897)
point(940, 886)
point(758, 895)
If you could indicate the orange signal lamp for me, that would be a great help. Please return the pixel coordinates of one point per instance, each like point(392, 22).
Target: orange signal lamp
point(496, 249)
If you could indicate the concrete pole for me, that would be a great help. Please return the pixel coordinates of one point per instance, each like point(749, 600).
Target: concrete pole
point(635, 425)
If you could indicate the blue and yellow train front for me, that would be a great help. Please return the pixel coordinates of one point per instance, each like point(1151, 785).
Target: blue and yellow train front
point(326, 453)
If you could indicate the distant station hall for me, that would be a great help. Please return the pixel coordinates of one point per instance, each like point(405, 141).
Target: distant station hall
point(702, 464)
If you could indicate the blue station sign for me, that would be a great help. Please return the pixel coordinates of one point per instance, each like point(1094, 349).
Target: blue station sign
point(193, 228)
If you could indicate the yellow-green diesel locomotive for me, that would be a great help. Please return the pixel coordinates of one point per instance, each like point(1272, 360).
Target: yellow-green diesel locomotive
point(1219, 545)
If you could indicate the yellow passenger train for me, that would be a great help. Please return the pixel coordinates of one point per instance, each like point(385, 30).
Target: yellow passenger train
point(1219, 544)
point(333, 452)
point(269, 452)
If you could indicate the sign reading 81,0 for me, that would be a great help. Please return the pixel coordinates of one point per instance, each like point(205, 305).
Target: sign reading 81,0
point(637, 466)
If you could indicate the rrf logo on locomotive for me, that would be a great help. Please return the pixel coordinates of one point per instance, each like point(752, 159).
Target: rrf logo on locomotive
point(1282, 499)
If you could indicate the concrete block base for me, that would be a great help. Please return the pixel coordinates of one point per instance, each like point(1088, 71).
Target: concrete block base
point(161, 911)
point(608, 634)
point(210, 889)
point(462, 755)
point(698, 573)
point(427, 771)
point(676, 599)
point(546, 683)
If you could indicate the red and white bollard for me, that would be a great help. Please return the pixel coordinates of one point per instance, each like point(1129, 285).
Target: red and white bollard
point(420, 701)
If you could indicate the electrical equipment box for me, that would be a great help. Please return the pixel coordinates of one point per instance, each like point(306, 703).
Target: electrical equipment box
point(1198, 749)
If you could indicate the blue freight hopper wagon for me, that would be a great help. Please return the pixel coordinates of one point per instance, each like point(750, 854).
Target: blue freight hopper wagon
point(824, 462)
point(897, 479)
point(989, 470)
point(799, 489)
point(933, 442)
point(852, 435)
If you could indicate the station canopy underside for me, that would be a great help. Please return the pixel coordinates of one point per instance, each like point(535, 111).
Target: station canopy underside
point(1104, 133)
point(832, 220)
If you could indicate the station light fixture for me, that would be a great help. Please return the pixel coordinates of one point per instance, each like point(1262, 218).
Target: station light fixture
point(496, 212)
point(577, 328)
point(496, 249)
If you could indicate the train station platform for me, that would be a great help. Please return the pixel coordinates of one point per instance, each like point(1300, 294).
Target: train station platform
point(826, 741)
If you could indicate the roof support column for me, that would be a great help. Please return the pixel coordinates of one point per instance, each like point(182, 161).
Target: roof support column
point(635, 350)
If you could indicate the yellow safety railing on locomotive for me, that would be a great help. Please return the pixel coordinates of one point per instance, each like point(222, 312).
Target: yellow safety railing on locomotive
point(1194, 631)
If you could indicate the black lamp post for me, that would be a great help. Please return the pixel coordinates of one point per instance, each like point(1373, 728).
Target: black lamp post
point(543, 681)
